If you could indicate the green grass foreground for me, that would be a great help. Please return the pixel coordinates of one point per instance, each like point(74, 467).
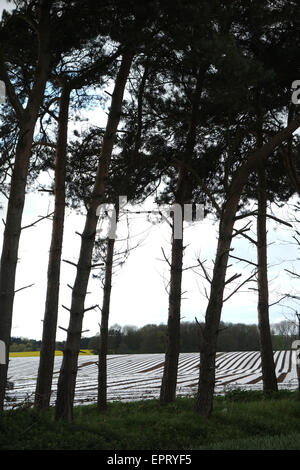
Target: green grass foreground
point(241, 420)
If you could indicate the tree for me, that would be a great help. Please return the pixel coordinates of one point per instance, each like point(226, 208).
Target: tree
point(174, 107)
point(129, 174)
point(85, 76)
point(103, 339)
point(169, 381)
point(27, 116)
point(36, 35)
point(205, 393)
point(204, 400)
point(67, 377)
point(261, 45)
point(45, 372)
point(267, 357)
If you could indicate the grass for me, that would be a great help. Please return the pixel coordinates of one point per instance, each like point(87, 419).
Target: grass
point(252, 421)
point(86, 352)
point(282, 442)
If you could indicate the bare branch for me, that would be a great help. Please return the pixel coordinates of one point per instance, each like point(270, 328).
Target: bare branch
point(279, 220)
point(90, 308)
point(66, 308)
point(97, 265)
point(206, 293)
point(247, 237)
point(292, 273)
point(200, 328)
point(64, 329)
point(166, 259)
point(278, 301)
point(207, 277)
point(233, 278)
point(22, 288)
point(238, 288)
point(70, 262)
point(242, 230)
point(244, 260)
point(44, 190)
point(37, 221)
point(165, 218)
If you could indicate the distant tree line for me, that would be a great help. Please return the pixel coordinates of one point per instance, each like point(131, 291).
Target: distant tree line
point(24, 344)
point(151, 339)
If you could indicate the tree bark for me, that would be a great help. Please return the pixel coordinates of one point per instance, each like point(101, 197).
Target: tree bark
point(204, 398)
point(266, 347)
point(47, 354)
point(68, 372)
point(169, 380)
point(103, 340)
point(205, 393)
point(27, 119)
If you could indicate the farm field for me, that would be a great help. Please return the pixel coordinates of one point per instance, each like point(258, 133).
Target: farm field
point(138, 377)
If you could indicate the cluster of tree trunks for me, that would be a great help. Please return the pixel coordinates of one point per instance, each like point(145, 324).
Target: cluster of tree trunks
point(68, 372)
point(27, 116)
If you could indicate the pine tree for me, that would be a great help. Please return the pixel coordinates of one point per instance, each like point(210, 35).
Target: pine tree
point(26, 114)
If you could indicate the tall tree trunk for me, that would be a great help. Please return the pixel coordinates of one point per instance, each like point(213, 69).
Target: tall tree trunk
point(204, 398)
point(205, 393)
point(45, 372)
point(12, 232)
point(169, 380)
point(103, 340)
point(266, 347)
point(68, 372)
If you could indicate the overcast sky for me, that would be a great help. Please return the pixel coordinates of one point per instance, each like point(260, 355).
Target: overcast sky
point(139, 290)
point(4, 4)
point(139, 296)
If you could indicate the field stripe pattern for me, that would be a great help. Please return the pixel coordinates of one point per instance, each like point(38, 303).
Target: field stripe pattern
point(138, 376)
